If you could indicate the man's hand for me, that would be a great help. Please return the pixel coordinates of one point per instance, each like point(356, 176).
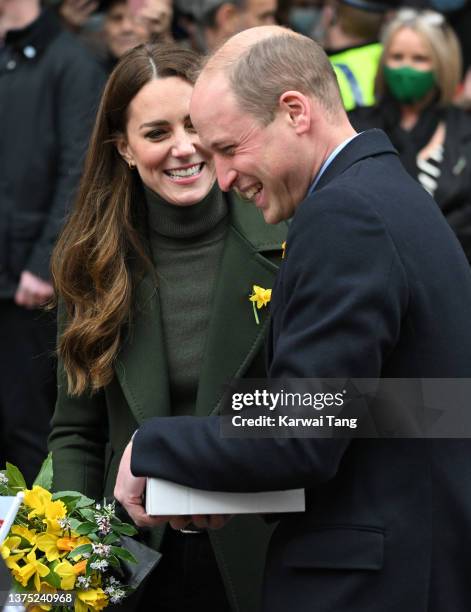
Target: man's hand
point(32, 291)
point(129, 491)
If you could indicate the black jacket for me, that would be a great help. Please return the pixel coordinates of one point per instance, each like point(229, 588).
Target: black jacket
point(453, 192)
point(49, 90)
point(374, 284)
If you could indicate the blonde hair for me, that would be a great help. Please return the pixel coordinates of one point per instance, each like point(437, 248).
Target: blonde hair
point(442, 42)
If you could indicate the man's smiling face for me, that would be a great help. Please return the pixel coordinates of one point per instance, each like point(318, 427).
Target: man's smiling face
point(259, 161)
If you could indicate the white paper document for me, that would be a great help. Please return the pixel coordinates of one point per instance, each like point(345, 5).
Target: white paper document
point(168, 498)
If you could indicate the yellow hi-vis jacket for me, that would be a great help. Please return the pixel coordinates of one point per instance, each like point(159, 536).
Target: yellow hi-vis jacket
point(356, 70)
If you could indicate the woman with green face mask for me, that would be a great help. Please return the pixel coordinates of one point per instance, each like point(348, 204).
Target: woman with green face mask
point(418, 80)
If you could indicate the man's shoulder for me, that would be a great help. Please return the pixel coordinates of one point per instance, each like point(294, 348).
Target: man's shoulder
point(66, 52)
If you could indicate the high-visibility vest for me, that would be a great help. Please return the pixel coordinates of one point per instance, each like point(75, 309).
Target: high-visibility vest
point(356, 70)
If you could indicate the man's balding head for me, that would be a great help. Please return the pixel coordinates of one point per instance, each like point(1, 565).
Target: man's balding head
point(260, 64)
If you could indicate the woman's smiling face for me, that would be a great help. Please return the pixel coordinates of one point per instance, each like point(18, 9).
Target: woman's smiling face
point(161, 143)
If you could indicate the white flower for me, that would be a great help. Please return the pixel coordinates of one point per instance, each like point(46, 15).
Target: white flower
point(64, 523)
point(117, 596)
point(3, 479)
point(100, 566)
point(103, 550)
point(83, 583)
point(103, 523)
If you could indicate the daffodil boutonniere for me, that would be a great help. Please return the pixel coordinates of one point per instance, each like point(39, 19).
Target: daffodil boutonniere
point(259, 298)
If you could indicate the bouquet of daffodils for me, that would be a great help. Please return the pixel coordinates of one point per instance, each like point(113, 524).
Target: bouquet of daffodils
point(63, 550)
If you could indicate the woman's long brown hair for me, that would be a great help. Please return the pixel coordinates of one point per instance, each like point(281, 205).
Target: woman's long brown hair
point(101, 252)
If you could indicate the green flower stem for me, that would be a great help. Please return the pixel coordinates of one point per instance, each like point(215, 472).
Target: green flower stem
point(255, 314)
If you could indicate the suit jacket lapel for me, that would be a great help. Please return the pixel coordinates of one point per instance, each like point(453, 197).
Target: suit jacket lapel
point(233, 337)
point(141, 367)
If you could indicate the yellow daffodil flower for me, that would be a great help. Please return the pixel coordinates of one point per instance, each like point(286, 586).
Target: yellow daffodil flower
point(45, 588)
point(91, 600)
point(259, 297)
point(54, 510)
point(9, 546)
point(36, 498)
point(66, 572)
point(10, 552)
point(27, 534)
point(32, 567)
point(56, 547)
point(80, 567)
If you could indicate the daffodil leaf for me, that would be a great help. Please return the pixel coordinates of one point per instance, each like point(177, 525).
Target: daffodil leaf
point(86, 528)
point(123, 554)
point(124, 528)
point(44, 478)
point(111, 538)
point(80, 550)
point(88, 514)
point(75, 524)
point(53, 579)
point(84, 502)
point(66, 495)
point(114, 562)
point(15, 477)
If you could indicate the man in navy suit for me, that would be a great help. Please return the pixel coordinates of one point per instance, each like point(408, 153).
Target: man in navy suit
point(374, 285)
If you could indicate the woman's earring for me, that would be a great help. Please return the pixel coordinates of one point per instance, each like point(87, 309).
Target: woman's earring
point(131, 165)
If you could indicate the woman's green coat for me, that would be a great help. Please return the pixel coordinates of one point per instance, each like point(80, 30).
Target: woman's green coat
point(90, 432)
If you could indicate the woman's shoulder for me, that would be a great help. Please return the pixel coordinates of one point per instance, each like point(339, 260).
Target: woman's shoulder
point(248, 221)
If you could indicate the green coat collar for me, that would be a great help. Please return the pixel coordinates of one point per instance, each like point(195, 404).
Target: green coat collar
point(233, 337)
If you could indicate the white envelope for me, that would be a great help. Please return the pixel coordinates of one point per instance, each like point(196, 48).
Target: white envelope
point(168, 498)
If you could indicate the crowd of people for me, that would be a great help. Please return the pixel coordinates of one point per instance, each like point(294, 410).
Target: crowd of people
point(129, 252)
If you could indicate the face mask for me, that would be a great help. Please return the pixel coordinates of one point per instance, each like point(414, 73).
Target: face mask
point(407, 84)
point(447, 6)
point(304, 20)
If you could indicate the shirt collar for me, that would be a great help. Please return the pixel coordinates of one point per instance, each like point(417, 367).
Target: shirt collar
point(327, 163)
point(35, 37)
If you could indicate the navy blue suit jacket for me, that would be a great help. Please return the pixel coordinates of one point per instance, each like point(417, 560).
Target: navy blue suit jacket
point(374, 284)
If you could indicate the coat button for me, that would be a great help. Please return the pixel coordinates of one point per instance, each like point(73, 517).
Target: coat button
point(29, 52)
point(11, 65)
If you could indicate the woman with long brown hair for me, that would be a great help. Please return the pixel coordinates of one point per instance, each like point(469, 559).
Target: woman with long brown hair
point(153, 272)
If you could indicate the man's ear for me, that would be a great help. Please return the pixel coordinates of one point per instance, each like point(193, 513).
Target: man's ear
point(122, 147)
point(297, 109)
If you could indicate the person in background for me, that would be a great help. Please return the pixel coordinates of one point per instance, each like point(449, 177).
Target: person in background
point(305, 17)
point(49, 89)
point(75, 13)
point(419, 73)
point(156, 16)
point(220, 19)
point(122, 31)
point(351, 40)
point(153, 274)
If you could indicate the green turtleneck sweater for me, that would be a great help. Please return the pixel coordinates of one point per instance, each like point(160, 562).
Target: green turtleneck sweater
point(186, 244)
